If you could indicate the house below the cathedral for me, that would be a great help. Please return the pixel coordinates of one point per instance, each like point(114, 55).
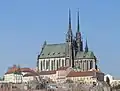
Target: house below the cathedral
point(65, 74)
point(70, 53)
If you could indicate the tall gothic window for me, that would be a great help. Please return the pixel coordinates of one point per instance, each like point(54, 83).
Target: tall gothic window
point(65, 62)
point(59, 62)
point(87, 65)
point(91, 64)
point(41, 65)
point(54, 64)
point(83, 65)
point(62, 62)
point(47, 64)
point(69, 62)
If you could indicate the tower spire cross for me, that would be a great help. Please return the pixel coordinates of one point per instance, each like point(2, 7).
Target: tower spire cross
point(78, 25)
point(69, 19)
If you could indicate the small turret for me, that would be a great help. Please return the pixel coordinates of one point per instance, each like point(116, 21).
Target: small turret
point(86, 46)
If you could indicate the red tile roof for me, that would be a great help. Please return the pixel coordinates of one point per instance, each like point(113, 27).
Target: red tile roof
point(47, 72)
point(53, 71)
point(30, 74)
point(14, 69)
point(79, 74)
point(63, 68)
point(26, 70)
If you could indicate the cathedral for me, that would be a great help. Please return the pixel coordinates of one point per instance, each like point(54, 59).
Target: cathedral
point(71, 53)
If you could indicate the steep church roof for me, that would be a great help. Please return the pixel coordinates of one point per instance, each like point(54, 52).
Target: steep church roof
point(84, 54)
point(58, 50)
point(53, 50)
point(61, 49)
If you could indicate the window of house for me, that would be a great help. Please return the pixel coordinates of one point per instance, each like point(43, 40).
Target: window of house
point(62, 62)
point(91, 64)
point(59, 62)
point(87, 65)
point(47, 64)
point(41, 65)
point(65, 62)
point(54, 64)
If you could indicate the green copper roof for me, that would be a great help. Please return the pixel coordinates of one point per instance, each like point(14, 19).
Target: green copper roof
point(53, 50)
point(58, 50)
point(88, 54)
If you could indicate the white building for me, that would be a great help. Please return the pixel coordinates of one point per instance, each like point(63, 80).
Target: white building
point(18, 75)
point(30, 77)
point(13, 78)
point(113, 80)
point(67, 73)
point(87, 77)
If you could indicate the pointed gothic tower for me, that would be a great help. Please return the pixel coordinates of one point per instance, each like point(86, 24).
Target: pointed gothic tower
point(86, 46)
point(78, 36)
point(69, 44)
point(69, 35)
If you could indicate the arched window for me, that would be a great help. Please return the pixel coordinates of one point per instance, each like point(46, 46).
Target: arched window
point(59, 62)
point(62, 62)
point(83, 65)
point(70, 62)
point(87, 65)
point(47, 64)
point(52, 65)
point(65, 62)
point(41, 64)
point(91, 64)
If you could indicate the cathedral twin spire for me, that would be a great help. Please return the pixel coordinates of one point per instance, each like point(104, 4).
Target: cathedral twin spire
point(86, 46)
point(69, 19)
point(78, 25)
point(78, 33)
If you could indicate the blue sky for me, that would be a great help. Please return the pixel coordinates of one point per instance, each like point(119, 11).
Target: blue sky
point(26, 24)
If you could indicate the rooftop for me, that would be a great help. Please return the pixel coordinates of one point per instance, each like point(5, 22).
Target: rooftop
point(16, 69)
point(58, 50)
